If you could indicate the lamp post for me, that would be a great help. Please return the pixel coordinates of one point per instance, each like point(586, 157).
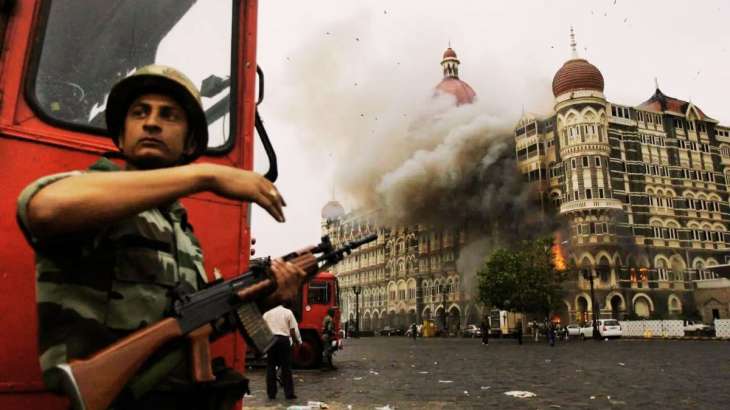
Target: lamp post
point(443, 311)
point(588, 274)
point(357, 289)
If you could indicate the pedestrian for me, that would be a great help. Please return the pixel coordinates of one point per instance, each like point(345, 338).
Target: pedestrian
point(111, 241)
point(535, 330)
point(551, 333)
point(328, 339)
point(485, 330)
point(519, 332)
point(414, 330)
point(285, 328)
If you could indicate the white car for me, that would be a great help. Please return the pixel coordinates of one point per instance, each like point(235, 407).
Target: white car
point(695, 326)
point(573, 330)
point(606, 328)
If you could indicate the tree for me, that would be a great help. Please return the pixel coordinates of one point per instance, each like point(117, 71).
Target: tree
point(523, 278)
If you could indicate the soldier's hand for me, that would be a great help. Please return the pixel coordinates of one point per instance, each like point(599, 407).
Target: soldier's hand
point(289, 279)
point(242, 185)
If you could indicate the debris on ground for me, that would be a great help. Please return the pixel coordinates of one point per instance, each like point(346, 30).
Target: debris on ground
point(374, 372)
point(386, 407)
point(423, 372)
point(357, 378)
point(520, 394)
point(593, 397)
point(446, 381)
point(317, 404)
point(486, 387)
point(621, 364)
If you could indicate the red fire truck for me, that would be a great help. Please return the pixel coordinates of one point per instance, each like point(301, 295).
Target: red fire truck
point(316, 297)
point(58, 60)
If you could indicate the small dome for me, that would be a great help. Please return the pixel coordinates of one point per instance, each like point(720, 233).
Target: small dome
point(577, 74)
point(462, 91)
point(449, 53)
point(332, 210)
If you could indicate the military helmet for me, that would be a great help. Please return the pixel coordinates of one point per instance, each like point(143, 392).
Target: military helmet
point(154, 79)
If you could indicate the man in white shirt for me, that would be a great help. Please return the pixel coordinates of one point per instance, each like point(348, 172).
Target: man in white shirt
point(284, 326)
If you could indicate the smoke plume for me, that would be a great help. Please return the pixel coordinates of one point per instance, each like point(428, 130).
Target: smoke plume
point(413, 156)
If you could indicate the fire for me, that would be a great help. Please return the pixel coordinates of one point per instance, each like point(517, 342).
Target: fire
point(558, 258)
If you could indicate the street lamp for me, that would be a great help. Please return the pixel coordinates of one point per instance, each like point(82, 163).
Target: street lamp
point(357, 289)
point(444, 292)
point(588, 274)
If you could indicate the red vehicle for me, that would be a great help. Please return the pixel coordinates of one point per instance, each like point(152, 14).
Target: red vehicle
point(58, 61)
point(316, 297)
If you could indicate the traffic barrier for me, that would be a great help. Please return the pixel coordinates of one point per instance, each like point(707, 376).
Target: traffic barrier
point(722, 328)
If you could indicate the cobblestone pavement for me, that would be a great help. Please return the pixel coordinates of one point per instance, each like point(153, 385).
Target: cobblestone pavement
point(464, 374)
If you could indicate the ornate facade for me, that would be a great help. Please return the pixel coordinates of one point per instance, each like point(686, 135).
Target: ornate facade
point(409, 274)
point(643, 191)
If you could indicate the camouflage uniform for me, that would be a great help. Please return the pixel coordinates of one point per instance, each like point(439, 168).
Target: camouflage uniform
point(96, 286)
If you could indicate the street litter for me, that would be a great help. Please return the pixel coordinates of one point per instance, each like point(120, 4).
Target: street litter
point(593, 397)
point(548, 360)
point(621, 364)
point(520, 394)
point(374, 372)
point(435, 362)
point(486, 387)
point(466, 392)
point(422, 372)
point(317, 404)
point(357, 378)
point(386, 407)
point(446, 381)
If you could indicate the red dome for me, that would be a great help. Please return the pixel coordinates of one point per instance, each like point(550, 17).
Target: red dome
point(449, 53)
point(459, 89)
point(577, 74)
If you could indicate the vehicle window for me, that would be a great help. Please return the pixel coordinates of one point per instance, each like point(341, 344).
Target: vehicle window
point(89, 45)
point(610, 322)
point(318, 293)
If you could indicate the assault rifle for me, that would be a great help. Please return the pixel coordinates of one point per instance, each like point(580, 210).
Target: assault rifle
point(200, 316)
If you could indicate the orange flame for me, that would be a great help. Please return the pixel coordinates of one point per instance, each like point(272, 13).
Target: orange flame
point(558, 258)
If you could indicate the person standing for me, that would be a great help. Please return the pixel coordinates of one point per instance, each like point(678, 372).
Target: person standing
point(285, 328)
point(551, 333)
point(485, 330)
point(328, 336)
point(414, 330)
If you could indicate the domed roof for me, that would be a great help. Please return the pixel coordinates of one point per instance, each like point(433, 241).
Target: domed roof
point(462, 91)
point(449, 53)
point(577, 74)
point(332, 210)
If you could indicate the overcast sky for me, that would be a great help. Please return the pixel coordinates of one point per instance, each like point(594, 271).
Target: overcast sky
point(336, 70)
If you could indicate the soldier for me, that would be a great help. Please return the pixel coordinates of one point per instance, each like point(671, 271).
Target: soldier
point(328, 335)
point(111, 243)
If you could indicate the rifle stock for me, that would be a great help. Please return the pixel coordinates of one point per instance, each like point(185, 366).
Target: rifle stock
point(89, 382)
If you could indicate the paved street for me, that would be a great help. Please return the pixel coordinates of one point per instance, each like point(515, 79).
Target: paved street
point(463, 374)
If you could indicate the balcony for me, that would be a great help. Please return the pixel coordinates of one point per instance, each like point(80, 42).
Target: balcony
point(590, 204)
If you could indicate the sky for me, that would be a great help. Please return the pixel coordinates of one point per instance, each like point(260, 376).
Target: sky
point(347, 80)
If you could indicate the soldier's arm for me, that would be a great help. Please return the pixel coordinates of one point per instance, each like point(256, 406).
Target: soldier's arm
point(90, 200)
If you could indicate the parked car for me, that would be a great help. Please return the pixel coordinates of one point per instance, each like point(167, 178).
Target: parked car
point(606, 328)
point(573, 329)
point(472, 331)
point(391, 331)
point(696, 326)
